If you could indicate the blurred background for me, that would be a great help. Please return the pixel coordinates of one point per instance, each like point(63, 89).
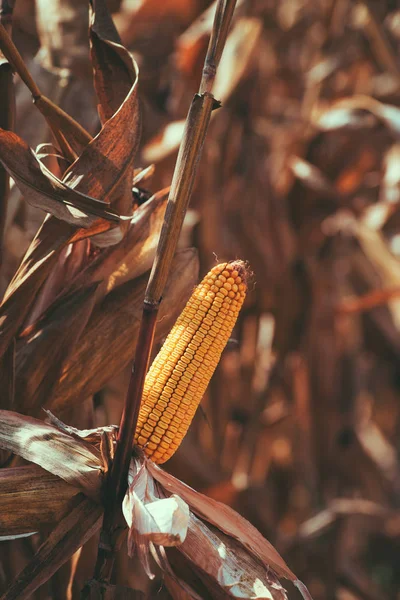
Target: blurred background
point(300, 176)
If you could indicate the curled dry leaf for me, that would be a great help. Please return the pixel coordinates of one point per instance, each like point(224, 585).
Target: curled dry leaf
point(98, 183)
point(105, 168)
point(228, 564)
point(151, 519)
point(68, 202)
point(77, 462)
point(226, 519)
point(226, 551)
point(112, 64)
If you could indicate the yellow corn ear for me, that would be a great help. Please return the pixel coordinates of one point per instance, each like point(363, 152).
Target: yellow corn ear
point(181, 371)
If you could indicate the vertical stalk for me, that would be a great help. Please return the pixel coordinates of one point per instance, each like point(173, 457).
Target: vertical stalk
point(181, 188)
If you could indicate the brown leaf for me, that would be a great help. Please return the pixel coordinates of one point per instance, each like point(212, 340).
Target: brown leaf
point(44, 190)
point(109, 341)
point(151, 519)
point(22, 295)
point(65, 129)
point(112, 64)
point(31, 498)
point(77, 462)
point(71, 259)
point(226, 564)
point(78, 526)
point(225, 551)
point(36, 265)
point(105, 168)
point(133, 256)
point(47, 346)
point(225, 519)
point(346, 113)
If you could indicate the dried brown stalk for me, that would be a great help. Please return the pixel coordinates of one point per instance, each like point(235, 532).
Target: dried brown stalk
point(182, 183)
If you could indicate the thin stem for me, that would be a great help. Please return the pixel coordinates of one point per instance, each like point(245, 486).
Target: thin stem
point(15, 59)
point(222, 20)
point(181, 188)
point(182, 183)
point(116, 484)
point(58, 120)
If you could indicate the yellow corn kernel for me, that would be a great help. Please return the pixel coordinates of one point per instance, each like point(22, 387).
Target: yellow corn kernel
point(181, 371)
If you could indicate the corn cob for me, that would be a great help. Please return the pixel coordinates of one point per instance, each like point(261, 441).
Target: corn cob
point(181, 371)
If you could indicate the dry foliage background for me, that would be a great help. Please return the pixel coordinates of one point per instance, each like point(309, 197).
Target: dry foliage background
point(301, 177)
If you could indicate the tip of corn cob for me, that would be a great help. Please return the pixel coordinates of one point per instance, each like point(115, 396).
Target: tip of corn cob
point(181, 371)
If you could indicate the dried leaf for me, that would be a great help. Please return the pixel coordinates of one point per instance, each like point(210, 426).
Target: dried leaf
point(225, 519)
point(105, 168)
point(44, 190)
point(78, 526)
point(77, 462)
point(71, 259)
point(133, 256)
point(228, 565)
point(229, 555)
point(390, 189)
point(65, 129)
point(47, 346)
point(35, 267)
point(31, 499)
point(109, 341)
point(112, 64)
point(163, 522)
point(346, 112)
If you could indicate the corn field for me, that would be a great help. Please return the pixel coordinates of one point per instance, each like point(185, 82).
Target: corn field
point(200, 314)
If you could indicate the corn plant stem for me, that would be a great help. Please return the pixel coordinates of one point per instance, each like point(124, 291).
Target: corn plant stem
point(182, 184)
point(222, 20)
